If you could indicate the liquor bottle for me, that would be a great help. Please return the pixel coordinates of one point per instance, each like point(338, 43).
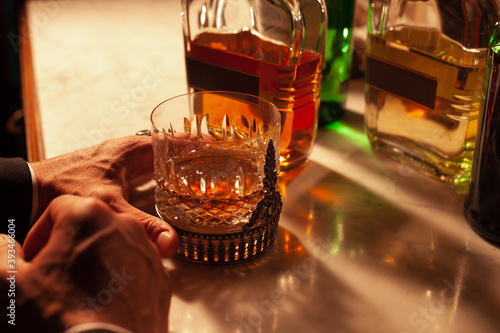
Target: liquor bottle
point(272, 49)
point(338, 57)
point(482, 204)
point(425, 63)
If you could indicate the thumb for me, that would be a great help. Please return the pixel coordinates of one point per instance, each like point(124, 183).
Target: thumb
point(11, 260)
point(159, 232)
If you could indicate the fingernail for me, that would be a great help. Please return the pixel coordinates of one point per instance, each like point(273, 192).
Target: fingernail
point(167, 244)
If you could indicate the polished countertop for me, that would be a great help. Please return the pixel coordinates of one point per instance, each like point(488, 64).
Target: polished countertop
point(365, 244)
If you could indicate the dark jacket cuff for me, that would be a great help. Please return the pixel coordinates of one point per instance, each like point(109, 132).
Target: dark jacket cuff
point(16, 197)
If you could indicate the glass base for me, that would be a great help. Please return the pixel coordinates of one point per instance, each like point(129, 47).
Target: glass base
point(227, 248)
point(330, 112)
point(487, 230)
point(456, 174)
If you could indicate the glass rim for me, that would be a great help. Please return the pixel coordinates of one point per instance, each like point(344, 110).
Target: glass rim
point(273, 109)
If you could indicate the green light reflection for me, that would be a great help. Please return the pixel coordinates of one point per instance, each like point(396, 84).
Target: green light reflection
point(359, 138)
point(338, 245)
point(345, 32)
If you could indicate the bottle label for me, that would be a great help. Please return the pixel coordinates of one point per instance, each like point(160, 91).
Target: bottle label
point(208, 76)
point(292, 88)
point(402, 82)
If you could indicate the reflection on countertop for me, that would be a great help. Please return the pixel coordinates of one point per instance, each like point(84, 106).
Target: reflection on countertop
point(365, 245)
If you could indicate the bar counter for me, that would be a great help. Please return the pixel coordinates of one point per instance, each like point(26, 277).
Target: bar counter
point(365, 244)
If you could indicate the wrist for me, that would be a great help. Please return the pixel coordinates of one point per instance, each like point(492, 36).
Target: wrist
point(34, 195)
point(44, 188)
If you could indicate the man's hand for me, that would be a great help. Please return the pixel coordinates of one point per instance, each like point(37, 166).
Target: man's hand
point(104, 171)
point(97, 266)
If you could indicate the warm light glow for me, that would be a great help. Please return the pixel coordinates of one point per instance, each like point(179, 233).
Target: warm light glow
point(287, 242)
point(203, 16)
point(324, 195)
point(252, 17)
point(222, 4)
point(203, 186)
point(389, 260)
point(282, 186)
point(237, 186)
point(309, 230)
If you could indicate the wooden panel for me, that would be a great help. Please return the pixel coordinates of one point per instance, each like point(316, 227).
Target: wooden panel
point(34, 138)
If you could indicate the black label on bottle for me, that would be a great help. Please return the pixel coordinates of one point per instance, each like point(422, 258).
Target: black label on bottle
point(205, 76)
point(402, 82)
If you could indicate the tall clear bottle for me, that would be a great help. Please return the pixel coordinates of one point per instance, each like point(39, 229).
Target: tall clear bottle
point(424, 71)
point(482, 204)
point(269, 48)
point(338, 58)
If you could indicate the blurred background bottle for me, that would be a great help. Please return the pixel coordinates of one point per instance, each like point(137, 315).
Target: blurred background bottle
point(338, 57)
point(482, 204)
point(424, 72)
point(269, 48)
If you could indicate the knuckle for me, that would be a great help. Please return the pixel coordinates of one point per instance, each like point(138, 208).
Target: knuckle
point(93, 206)
point(131, 223)
point(154, 228)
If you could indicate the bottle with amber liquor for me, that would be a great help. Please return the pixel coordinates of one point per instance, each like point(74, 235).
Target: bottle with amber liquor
point(272, 49)
point(425, 63)
point(482, 204)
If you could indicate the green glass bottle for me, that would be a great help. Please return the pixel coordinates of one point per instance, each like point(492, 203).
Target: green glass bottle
point(338, 56)
point(482, 205)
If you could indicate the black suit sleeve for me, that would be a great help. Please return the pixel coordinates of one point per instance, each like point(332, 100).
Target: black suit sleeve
point(16, 197)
